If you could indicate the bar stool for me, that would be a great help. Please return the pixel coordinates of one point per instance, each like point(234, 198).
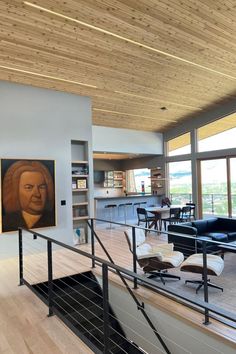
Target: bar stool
point(124, 206)
point(110, 207)
point(135, 206)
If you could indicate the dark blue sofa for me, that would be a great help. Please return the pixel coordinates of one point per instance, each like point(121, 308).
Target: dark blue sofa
point(216, 229)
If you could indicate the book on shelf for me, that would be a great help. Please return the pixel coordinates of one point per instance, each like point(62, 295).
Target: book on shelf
point(81, 183)
point(79, 236)
point(80, 171)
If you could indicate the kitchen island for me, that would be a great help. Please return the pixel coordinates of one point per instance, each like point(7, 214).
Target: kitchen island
point(136, 200)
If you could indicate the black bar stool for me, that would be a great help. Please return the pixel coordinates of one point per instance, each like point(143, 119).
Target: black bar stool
point(110, 207)
point(124, 206)
point(135, 206)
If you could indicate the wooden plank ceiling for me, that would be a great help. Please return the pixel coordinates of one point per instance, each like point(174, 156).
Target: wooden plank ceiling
point(115, 156)
point(147, 64)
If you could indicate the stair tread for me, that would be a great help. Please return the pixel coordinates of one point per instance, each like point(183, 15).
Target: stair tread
point(76, 296)
point(79, 299)
point(92, 289)
point(67, 305)
point(84, 322)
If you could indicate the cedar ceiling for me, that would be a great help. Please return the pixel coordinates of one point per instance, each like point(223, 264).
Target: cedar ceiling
point(146, 64)
point(115, 156)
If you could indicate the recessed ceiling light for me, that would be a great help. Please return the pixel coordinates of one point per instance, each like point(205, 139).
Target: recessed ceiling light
point(141, 45)
point(157, 100)
point(133, 115)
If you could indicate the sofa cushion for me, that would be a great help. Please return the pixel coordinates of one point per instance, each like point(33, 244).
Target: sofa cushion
point(218, 236)
point(183, 229)
point(201, 226)
point(231, 236)
point(226, 224)
point(212, 224)
point(186, 223)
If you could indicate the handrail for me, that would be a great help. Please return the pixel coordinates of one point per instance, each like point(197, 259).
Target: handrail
point(160, 289)
point(156, 288)
point(214, 309)
point(139, 305)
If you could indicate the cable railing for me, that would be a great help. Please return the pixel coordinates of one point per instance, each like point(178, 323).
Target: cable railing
point(201, 306)
point(53, 274)
point(212, 203)
point(54, 301)
point(135, 299)
point(180, 198)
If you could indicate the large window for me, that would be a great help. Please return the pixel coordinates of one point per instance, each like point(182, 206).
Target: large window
point(180, 182)
point(138, 181)
point(218, 187)
point(218, 135)
point(214, 198)
point(179, 146)
point(233, 185)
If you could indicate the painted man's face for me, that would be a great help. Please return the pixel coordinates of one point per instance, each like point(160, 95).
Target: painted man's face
point(32, 192)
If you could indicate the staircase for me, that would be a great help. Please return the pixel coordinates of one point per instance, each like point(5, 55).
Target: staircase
point(78, 301)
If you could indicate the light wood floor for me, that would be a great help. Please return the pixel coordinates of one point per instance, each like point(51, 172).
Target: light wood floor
point(24, 326)
point(115, 243)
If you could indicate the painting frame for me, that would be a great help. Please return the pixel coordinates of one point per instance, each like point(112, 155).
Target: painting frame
point(28, 197)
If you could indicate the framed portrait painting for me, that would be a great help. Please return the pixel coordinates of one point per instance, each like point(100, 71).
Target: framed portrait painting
point(27, 194)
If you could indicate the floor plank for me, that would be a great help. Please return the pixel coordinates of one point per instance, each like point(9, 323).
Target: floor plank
point(24, 326)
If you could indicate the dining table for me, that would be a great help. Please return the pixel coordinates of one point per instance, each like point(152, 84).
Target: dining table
point(159, 212)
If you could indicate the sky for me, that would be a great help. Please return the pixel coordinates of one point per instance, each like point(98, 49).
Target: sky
point(213, 171)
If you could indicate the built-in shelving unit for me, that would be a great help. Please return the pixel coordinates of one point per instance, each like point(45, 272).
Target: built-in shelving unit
point(114, 179)
point(157, 181)
point(80, 188)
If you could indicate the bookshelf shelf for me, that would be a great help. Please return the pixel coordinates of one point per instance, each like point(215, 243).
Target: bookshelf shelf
point(80, 218)
point(79, 204)
point(80, 189)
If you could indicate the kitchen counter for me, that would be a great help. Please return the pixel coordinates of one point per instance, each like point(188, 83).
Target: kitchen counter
point(117, 213)
point(125, 196)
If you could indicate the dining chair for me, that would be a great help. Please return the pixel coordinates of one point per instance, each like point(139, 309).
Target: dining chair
point(173, 218)
point(186, 213)
point(143, 217)
point(193, 210)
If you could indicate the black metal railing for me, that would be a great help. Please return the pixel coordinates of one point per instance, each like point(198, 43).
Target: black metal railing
point(135, 299)
point(204, 306)
point(106, 265)
point(209, 310)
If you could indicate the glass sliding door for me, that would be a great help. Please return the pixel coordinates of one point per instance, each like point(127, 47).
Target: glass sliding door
point(214, 188)
point(180, 182)
point(233, 185)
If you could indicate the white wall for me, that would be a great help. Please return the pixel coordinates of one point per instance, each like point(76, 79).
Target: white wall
point(127, 141)
point(179, 337)
point(39, 123)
